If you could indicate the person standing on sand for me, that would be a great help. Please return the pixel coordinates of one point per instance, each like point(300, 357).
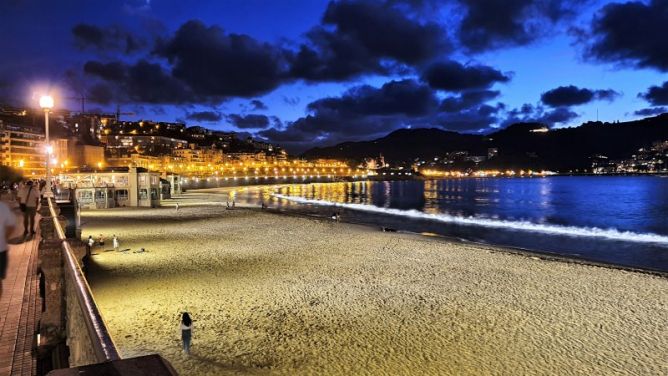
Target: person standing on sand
point(7, 224)
point(89, 244)
point(115, 243)
point(186, 331)
point(177, 206)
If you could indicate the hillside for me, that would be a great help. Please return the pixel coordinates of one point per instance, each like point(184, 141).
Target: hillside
point(518, 147)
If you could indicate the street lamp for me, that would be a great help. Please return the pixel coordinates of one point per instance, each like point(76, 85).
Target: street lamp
point(46, 103)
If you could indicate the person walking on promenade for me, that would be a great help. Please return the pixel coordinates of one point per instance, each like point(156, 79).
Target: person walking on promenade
point(186, 331)
point(7, 224)
point(115, 243)
point(28, 201)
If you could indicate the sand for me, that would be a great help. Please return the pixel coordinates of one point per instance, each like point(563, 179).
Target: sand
point(280, 295)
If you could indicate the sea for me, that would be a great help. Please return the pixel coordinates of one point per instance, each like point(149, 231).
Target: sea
point(618, 220)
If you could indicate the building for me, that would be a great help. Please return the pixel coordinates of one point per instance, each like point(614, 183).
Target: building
point(147, 162)
point(197, 154)
point(124, 144)
point(23, 148)
point(112, 188)
point(69, 153)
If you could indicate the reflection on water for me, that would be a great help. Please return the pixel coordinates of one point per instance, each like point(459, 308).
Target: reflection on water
point(637, 205)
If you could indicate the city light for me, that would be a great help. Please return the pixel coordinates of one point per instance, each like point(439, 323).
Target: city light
point(46, 102)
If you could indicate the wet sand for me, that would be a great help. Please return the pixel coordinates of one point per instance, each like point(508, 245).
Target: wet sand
point(285, 295)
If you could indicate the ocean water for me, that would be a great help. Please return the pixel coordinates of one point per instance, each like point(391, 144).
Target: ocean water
point(617, 220)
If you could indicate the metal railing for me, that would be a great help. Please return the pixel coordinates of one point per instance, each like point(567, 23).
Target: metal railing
point(101, 341)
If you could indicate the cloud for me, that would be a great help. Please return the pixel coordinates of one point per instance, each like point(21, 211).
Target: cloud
point(474, 119)
point(251, 121)
point(631, 33)
point(395, 97)
point(651, 111)
point(453, 76)
point(468, 100)
point(106, 39)
point(291, 101)
point(205, 116)
point(221, 65)
point(258, 105)
point(113, 71)
point(385, 31)
point(142, 82)
point(361, 112)
point(365, 37)
point(367, 112)
point(656, 95)
point(572, 96)
point(538, 114)
point(561, 115)
point(493, 24)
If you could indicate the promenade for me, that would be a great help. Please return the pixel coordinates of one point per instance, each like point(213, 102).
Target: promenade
point(20, 306)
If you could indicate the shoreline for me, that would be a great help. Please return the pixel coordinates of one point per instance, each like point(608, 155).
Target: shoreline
point(543, 255)
point(528, 252)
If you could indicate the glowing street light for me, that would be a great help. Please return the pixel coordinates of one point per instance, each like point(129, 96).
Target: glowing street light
point(46, 103)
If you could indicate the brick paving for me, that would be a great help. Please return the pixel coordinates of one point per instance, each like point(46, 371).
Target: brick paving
point(20, 308)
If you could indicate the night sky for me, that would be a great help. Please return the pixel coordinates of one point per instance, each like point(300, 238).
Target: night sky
point(302, 73)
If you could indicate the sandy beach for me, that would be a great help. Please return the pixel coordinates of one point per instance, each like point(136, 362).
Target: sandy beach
point(282, 295)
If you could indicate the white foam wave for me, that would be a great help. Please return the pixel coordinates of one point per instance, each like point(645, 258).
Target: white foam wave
point(594, 232)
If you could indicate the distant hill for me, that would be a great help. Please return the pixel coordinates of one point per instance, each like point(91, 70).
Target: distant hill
point(519, 145)
point(401, 145)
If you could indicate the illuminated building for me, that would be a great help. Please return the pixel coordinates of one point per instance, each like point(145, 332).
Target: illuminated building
point(23, 148)
point(113, 187)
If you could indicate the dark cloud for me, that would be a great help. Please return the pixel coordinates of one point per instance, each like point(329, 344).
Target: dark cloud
point(474, 119)
point(114, 71)
point(468, 100)
point(366, 112)
point(385, 31)
point(490, 24)
point(530, 113)
point(561, 115)
point(106, 39)
point(656, 95)
point(258, 105)
point(395, 97)
point(631, 32)
point(216, 64)
point(651, 111)
point(249, 121)
point(143, 82)
point(332, 57)
point(359, 37)
point(101, 93)
point(572, 96)
point(205, 116)
point(453, 76)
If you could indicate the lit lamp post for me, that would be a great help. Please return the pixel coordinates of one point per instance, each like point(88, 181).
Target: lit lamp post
point(46, 103)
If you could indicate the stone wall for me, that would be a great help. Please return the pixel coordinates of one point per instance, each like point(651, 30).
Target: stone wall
point(64, 318)
point(79, 341)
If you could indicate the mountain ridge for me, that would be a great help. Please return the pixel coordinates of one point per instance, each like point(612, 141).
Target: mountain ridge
point(520, 145)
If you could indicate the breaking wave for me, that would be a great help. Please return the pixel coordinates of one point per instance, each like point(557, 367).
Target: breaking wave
point(592, 232)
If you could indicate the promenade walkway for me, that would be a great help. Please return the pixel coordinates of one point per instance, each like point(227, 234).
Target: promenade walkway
point(20, 307)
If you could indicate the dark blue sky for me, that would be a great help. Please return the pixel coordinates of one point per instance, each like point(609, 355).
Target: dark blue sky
point(312, 72)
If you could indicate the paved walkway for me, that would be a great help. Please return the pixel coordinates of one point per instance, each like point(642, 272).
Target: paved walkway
point(20, 308)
